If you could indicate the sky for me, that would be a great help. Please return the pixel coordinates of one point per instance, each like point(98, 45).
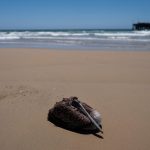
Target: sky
point(62, 14)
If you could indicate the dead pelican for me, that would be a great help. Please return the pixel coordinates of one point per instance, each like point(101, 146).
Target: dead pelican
point(74, 115)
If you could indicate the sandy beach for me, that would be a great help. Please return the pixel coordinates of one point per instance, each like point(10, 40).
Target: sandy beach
point(117, 84)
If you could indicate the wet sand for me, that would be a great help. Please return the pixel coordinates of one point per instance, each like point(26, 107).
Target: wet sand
point(117, 84)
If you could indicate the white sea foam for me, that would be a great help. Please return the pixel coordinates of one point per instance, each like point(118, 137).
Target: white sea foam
point(123, 34)
point(41, 34)
point(87, 38)
point(9, 38)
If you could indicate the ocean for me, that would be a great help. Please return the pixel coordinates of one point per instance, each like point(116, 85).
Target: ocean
point(82, 39)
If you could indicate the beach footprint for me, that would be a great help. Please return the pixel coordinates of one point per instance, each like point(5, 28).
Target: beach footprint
point(16, 91)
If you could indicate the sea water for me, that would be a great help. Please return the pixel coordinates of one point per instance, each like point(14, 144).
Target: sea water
point(84, 39)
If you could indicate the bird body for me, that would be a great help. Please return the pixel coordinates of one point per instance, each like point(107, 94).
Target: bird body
point(74, 115)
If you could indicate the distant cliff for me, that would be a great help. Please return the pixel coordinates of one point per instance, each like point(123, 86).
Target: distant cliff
point(141, 26)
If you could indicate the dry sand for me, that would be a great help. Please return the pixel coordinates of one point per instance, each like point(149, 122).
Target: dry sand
point(116, 83)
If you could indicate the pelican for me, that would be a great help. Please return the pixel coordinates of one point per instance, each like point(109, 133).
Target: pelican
point(72, 114)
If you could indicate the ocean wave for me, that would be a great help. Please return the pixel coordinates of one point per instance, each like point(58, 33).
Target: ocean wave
point(76, 35)
point(125, 34)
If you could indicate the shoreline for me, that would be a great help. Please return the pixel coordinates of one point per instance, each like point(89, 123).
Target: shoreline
point(116, 83)
point(74, 50)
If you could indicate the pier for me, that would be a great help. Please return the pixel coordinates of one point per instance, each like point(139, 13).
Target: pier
point(141, 26)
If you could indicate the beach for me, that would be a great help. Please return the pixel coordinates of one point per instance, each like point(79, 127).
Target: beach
point(116, 83)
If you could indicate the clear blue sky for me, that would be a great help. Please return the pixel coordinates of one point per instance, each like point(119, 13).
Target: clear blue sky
point(20, 14)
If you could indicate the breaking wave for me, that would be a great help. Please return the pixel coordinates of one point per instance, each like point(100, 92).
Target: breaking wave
point(98, 35)
point(92, 38)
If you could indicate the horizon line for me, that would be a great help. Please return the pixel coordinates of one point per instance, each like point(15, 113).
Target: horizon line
point(22, 29)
